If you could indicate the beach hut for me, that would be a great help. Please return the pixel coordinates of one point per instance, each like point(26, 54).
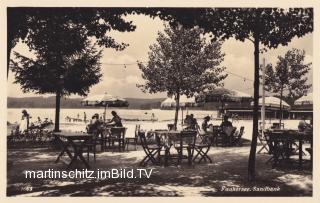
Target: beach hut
point(304, 100)
point(105, 100)
point(303, 107)
point(223, 100)
point(222, 94)
point(273, 102)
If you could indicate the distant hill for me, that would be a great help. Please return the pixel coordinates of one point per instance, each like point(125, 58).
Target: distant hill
point(49, 102)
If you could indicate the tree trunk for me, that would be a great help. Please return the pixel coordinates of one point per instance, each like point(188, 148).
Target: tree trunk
point(177, 111)
point(8, 58)
point(57, 116)
point(280, 116)
point(252, 156)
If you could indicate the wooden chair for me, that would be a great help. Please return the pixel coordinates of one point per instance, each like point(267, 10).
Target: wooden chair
point(91, 146)
point(185, 141)
point(310, 149)
point(117, 135)
point(262, 140)
point(277, 126)
point(203, 148)
point(152, 151)
point(236, 138)
point(224, 138)
point(133, 140)
point(279, 147)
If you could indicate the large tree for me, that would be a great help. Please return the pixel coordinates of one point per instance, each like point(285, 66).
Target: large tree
point(264, 27)
point(288, 77)
point(64, 61)
point(182, 63)
point(74, 74)
point(23, 24)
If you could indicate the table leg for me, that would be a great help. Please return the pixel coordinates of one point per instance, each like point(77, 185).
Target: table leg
point(65, 149)
point(77, 153)
point(300, 153)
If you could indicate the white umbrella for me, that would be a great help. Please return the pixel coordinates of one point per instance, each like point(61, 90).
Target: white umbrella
point(184, 101)
point(307, 99)
point(105, 100)
point(273, 102)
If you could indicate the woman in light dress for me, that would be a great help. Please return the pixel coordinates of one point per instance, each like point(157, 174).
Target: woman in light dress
point(24, 123)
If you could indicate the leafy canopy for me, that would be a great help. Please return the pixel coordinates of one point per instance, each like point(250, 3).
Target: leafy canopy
point(289, 74)
point(61, 40)
point(75, 74)
point(182, 62)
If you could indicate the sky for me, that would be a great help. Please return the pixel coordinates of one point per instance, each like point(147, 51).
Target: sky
point(121, 80)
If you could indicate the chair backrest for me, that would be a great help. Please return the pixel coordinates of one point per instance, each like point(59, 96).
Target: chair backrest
point(241, 131)
point(277, 126)
point(216, 129)
point(186, 138)
point(136, 131)
point(118, 132)
point(142, 137)
point(145, 142)
point(229, 131)
point(268, 138)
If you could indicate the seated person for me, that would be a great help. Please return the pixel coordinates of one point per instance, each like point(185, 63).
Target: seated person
point(192, 123)
point(205, 125)
point(187, 121)
point(227, 126)
point(304, 126)
point(95, 124)
point(115, 121)
point(226, 122)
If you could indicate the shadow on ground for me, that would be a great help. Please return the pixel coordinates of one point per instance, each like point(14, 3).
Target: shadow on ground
point(223, 177)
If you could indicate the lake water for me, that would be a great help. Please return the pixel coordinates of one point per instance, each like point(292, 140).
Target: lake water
point(144, 116)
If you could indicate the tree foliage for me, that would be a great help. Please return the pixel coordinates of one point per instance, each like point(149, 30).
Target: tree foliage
point(182, 63)
point(66, 61)
point(289, 75)
point(32, 25)
point(78, 72)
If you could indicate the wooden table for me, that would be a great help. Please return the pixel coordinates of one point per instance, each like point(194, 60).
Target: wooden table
point(291, 136)
point(76, 140)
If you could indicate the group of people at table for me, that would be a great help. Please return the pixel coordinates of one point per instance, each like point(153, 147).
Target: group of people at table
point(96, 123)
point(191, 123)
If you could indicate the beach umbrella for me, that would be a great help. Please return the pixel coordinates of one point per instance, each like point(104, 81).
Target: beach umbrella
point(184, 101)
point(273, 102)
point(105, 100)
point(307, 99)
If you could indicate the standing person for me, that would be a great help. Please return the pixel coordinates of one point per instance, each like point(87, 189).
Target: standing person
point(24, 123)
point(115, 121)
point(84, 117)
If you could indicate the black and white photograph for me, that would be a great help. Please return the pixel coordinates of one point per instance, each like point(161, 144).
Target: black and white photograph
point(159, 101)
